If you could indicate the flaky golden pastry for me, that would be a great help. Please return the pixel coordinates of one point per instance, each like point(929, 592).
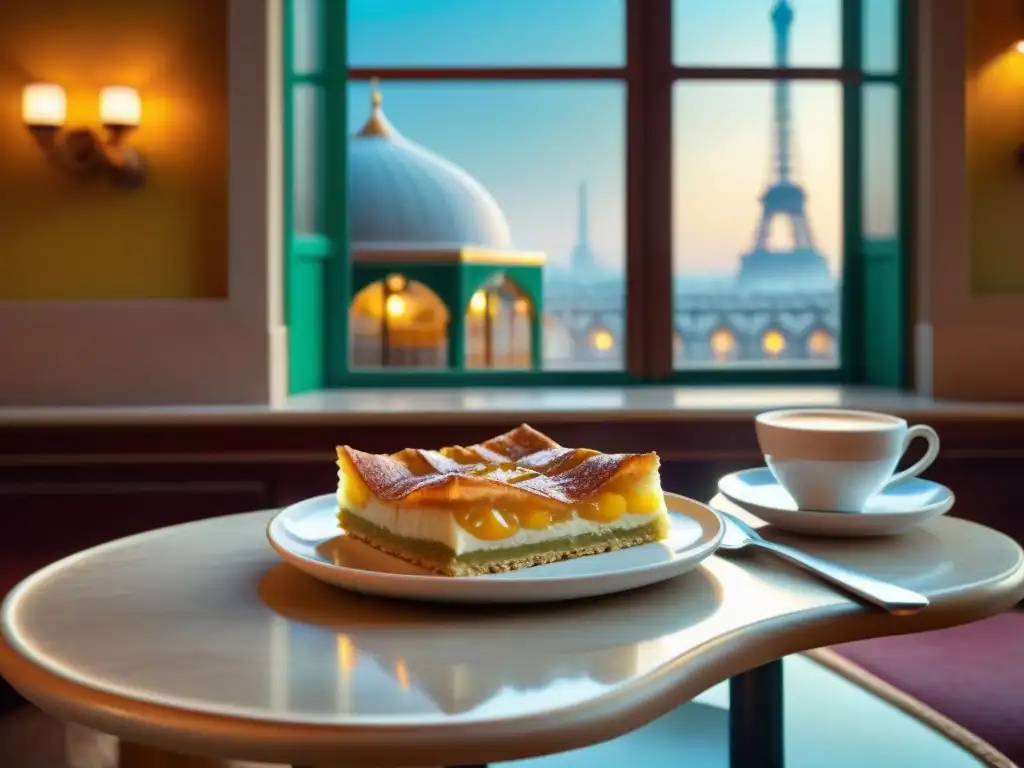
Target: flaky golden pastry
point(522, 463)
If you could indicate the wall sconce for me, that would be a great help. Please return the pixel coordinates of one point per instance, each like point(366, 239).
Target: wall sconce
point(80, 150)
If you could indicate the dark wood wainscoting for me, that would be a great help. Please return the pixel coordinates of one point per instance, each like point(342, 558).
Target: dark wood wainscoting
point(67, 487)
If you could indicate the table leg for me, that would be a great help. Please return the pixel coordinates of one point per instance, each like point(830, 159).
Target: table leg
point(755, 718)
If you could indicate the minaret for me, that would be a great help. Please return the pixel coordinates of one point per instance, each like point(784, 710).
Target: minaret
point(782, 22)
point(582, 257)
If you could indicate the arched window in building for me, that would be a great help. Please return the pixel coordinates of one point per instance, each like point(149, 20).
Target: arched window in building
point(773, 343)
point(722, 343)
point(498, 327)
point(398, 323)
point(601, 340)
point(821, 345)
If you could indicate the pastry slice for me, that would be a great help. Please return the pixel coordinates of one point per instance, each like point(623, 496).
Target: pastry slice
point(517, 500)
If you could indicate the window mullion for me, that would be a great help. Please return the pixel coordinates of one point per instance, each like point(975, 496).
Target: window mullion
point(337, 281)
point(852, 349)
point(649, 323)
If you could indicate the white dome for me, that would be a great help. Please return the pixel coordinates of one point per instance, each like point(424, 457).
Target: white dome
point(403, 194)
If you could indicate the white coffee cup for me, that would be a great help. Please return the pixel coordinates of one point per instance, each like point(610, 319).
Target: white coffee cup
point(834, 460)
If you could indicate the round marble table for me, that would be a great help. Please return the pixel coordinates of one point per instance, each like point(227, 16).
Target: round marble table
point(196, 640)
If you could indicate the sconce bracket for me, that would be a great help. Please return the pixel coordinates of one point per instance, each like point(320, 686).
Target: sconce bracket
point(45, 135)
point(1020, 157)
point(127, 167)
point(82, 152)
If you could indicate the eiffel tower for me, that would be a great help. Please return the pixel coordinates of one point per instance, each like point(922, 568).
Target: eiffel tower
point(763, 269)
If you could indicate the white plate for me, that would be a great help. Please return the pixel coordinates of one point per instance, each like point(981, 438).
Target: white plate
point(306, 535)
point(892, 511)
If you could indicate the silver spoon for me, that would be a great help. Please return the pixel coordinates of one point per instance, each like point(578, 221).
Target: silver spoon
point(896, 600)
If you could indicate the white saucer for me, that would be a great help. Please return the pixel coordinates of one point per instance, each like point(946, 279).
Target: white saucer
point(891, 511)
point(306, 535)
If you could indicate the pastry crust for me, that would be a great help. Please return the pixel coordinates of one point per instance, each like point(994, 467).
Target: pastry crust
point(492, 470)
point(455, 567)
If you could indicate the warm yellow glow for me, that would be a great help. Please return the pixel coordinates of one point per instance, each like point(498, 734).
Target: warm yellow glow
point(602, 340)
point(995, 98)
point(395, 305)
point(820, 343)
point(722, 343)
point(120, 105)
point(43, 104)
point(478, 302)
point(402, 674)
point(346, 654)
point(522, 306)
point(395, 283)
point(1020, 46)
point(773, 343)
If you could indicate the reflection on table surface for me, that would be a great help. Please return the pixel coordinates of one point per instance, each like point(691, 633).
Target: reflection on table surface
point(393, 658)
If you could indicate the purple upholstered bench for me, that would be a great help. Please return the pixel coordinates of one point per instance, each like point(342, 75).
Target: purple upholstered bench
point(970, 674)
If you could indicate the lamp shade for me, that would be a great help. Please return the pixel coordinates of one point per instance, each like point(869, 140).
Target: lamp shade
point(43, 105)
point(120, 105)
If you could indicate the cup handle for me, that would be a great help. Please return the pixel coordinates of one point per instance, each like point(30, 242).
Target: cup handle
point(930, 435)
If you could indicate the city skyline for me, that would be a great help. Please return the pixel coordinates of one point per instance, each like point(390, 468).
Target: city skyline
point(531, 144)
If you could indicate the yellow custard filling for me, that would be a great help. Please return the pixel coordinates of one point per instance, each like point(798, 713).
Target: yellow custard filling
point(493, 522)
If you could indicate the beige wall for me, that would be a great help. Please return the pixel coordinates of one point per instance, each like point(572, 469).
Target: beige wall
point(970, 339)
point(995, 130)
point(180, 350)
point(85, 239)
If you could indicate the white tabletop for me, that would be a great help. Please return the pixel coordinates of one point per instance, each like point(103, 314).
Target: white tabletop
point(196, 638)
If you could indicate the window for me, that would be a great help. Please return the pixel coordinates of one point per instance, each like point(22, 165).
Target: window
point(596, 191)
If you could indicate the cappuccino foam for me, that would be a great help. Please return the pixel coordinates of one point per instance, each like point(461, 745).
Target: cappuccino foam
point(822, 421)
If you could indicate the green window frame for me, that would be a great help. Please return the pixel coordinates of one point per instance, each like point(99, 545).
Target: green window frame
point(874, 328)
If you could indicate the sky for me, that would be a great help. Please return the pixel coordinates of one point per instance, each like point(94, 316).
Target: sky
point(532, 143)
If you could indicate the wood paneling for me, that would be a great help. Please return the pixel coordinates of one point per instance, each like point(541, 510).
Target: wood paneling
point(96, 482)
point(64, 488)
